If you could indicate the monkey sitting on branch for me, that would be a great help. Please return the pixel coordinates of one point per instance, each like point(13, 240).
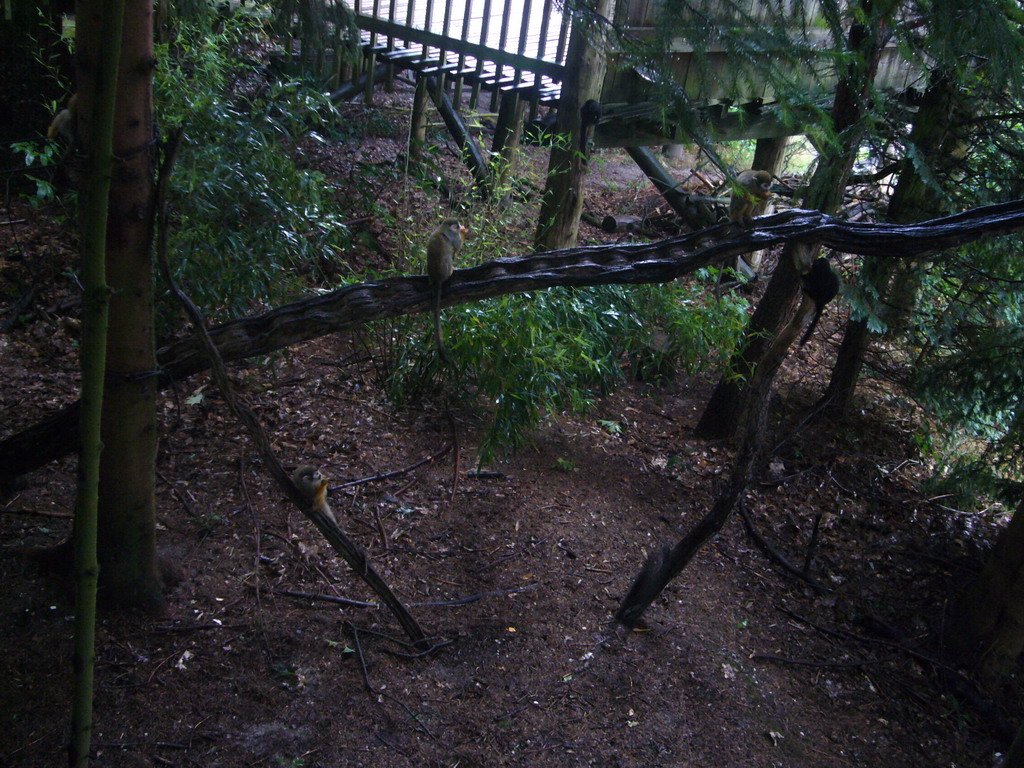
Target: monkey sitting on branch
point(313, 486)
point(442, 248)
point(749, 190)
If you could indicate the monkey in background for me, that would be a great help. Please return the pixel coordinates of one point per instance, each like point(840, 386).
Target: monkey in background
point(590, 116)
point(313, 486)
point(750, 188)
point(442, 248)
point(65, 122)
point(820, 285)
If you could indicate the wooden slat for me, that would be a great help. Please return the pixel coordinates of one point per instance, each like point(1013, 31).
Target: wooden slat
point(481, 52)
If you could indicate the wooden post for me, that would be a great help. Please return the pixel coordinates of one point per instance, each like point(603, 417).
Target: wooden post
point(371, 65)
point(499, 73)
point(562, 203)
point(506, 122)
point(467, 144)
point(418, 124)
point(457, 95)
point(506, 164)
point(486, 19)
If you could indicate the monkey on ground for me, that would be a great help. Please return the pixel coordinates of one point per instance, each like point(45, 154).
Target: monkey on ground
point(820, 285)
point(750, 188)
point(442, 248)
point(64, 122)
point(313, 486)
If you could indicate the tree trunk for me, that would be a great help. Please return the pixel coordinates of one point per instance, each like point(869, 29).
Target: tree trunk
point(127, 530)
point(1015, 757)
point(913, 200)
point(418, 123)
point(559, 222)
point(768, 156)
point(722, 414)
point(942, 148)
point(986, 628)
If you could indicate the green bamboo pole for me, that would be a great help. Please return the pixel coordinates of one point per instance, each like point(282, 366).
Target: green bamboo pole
point(93, 207)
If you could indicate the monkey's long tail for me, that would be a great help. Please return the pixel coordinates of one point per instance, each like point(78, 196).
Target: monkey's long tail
point(810, 328)
point(437, 327)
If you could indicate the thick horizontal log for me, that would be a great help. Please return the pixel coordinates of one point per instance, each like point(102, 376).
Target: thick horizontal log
point(658, 262)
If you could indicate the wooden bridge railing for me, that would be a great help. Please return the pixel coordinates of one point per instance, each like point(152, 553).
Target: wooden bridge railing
point(497, 44)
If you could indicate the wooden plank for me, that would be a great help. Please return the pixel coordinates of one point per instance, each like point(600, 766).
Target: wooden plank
point(480, 52)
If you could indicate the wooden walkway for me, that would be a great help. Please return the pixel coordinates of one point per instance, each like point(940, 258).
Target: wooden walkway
point(495, 44)
point(519, 46)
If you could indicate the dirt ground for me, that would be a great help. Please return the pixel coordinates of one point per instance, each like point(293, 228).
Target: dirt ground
point(516, 574)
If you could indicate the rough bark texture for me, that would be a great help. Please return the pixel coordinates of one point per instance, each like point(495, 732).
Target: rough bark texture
point(912, 200)
point(354, 305)
point(721, 416)
point(941, 146)
point(559, 221)
point(987, 625)
point(127, 523)
point(418, 122)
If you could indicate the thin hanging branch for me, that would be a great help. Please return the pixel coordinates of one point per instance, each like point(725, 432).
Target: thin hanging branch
point(343, 545)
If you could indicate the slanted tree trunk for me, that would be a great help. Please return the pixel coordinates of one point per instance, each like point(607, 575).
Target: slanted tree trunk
point(986, 629)
point(560, 208)
point(127, 530)
point(724, 410)
point(913, 200)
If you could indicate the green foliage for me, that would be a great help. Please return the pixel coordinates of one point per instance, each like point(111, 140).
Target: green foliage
point(792, 51)
point(969, 328)
point(524, 356)
point(46, 154)
point(564, 465)
point(252, 226)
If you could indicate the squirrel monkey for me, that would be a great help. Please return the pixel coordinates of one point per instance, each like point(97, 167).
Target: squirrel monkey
point(821, 285)
point(313, 486)
point(442, 248)
point(590, 116)
point(64, 122)
point(750, 188)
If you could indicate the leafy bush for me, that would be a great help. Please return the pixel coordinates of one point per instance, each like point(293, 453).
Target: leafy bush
point(251, 226)
point(970, 374)
point(527, 355)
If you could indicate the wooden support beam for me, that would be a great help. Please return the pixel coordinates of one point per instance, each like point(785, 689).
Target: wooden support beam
point(479, 51)
point(559, 221)
point(371, 78)
point(693, 214)
point(352, 89)
point(505, 125)
point(418, 123)
point(505, 164)
point(471, 152)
